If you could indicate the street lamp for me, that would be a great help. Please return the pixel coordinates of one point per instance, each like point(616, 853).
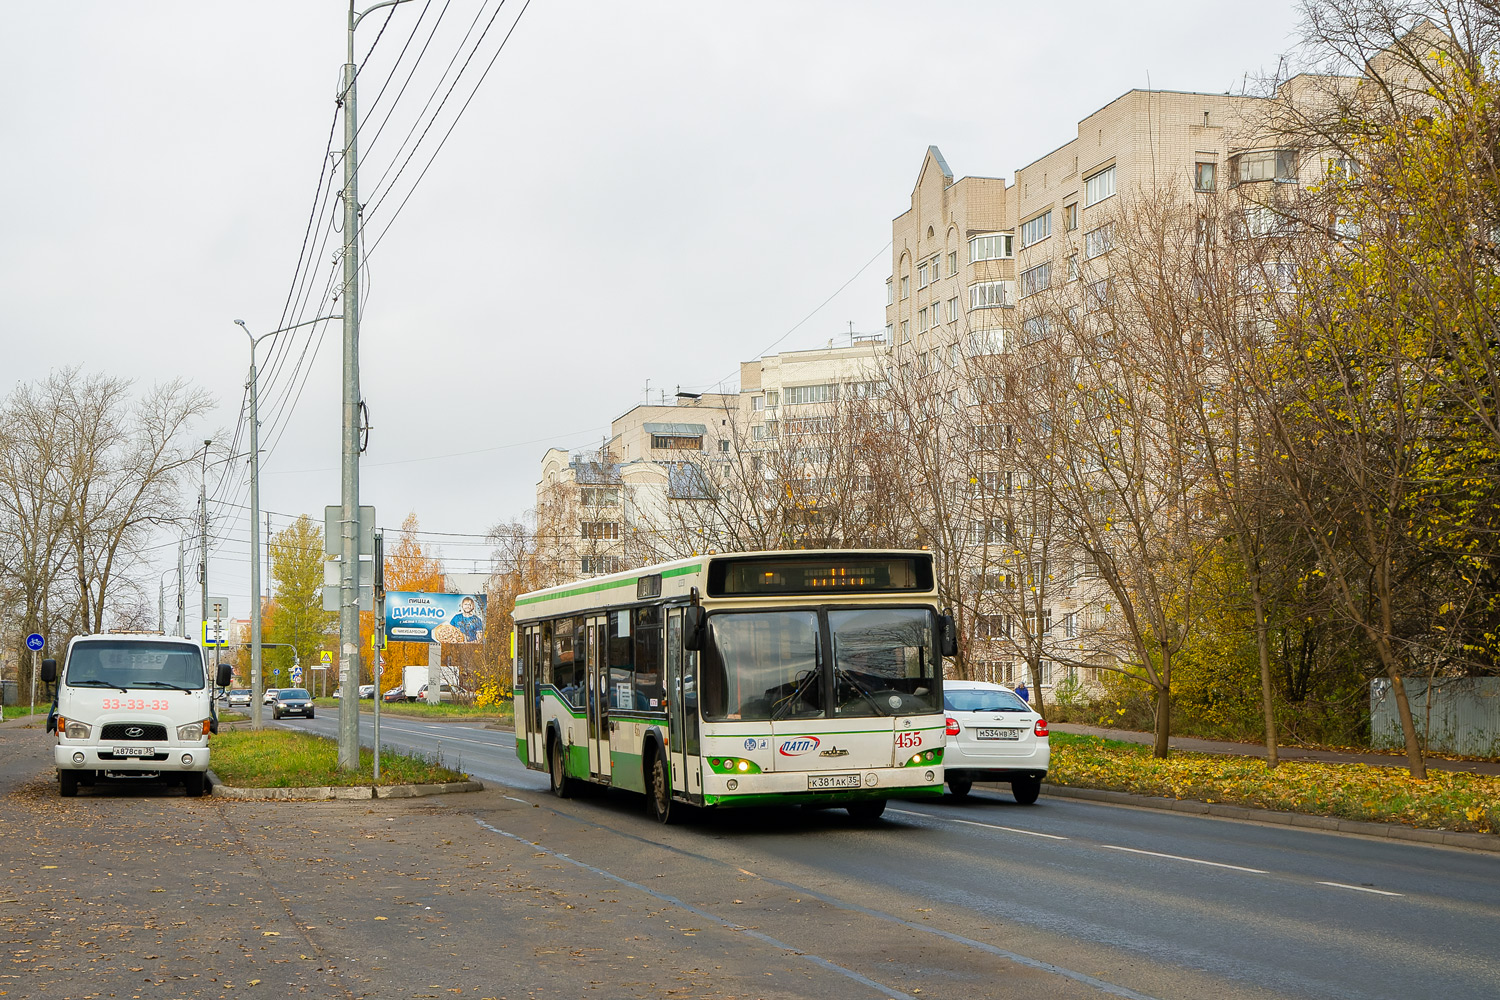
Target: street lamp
point(255, 609)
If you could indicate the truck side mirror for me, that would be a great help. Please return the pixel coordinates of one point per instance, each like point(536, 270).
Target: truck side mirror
point(692, 628)
point(949, 630)
point(49, 670)
point(225, 675)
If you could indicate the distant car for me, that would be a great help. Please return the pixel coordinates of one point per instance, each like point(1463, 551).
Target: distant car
point(397, 693)
point(993, 736)
point(449, 693)
point(270, 697)
point(367, 690)
point(292, 701)
point(239, 698)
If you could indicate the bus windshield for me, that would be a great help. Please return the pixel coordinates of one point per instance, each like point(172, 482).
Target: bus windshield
point(136, 664)
point(771, 665)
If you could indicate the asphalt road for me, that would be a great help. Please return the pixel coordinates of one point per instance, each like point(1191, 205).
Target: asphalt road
point(1151, 903)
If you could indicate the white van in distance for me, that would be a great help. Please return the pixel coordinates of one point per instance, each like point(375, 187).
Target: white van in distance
point(132, 705)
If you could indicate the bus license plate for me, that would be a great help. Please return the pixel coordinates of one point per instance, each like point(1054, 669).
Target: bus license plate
point(998, 734)
point(833, 781)
point(135, 751)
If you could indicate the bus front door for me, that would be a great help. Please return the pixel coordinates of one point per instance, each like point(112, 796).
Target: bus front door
point(598, 706)
point(676, 758)
point(531, 696)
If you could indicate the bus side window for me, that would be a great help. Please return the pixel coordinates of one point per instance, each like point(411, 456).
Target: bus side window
point(621, 678)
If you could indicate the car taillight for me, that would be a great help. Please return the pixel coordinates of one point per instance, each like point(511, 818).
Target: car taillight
point(952, 726)
point(1040, 728)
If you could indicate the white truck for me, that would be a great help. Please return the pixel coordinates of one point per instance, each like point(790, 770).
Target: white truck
point(414, 679)
point(132, 706)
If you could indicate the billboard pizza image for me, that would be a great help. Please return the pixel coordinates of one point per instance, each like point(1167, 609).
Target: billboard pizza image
point(448, 618)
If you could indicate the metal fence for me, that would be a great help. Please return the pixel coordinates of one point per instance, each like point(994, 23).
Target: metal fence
point(1459, 715)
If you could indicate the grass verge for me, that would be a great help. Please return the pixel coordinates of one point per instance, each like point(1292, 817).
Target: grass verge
point(421, 710)
point(1447, 800)
point(278, 758)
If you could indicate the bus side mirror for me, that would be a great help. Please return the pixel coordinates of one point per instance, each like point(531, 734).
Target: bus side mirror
point(49, 670)
point(692, 628)
point(225, 675)
point(950, 635)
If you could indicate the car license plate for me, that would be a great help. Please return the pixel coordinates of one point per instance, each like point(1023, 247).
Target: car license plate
point(833, 781)
point(135, 751)
point(997, 734)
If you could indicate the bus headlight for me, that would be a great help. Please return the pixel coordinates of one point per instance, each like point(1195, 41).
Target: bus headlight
point(75, 730)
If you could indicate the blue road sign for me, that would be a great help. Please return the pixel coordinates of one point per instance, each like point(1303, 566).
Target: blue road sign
point(296, 675)
point(35, 641)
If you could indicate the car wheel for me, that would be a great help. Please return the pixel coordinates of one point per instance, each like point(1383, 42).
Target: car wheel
point(309, 713)
point(659, 788)
point(1026, 789)
point(276, 714)
point(68, 783)
point(562, 785)
point(192, 783)
point(866, 812)
point(960, 787)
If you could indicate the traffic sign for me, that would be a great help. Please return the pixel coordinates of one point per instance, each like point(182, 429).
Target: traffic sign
point(296, 675)
point(326, 656)
point(34, 641)
point(213, 634)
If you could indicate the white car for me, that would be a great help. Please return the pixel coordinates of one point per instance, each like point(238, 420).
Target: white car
point(993, 736)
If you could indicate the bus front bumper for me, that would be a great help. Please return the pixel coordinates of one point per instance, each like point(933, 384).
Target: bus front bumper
point(810, 787)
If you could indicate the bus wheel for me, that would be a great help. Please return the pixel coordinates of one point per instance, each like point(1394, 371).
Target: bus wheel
point(562, 785)
point(659, 788)
point(69, 782)
point(866, 812)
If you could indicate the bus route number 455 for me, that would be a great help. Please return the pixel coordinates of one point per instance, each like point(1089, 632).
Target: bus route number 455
point(908, 739)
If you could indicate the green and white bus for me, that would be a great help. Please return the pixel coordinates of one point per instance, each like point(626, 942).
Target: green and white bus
point(742, 679)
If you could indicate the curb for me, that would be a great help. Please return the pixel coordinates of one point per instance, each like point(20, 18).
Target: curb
point(1327, 824)
point(332, 792)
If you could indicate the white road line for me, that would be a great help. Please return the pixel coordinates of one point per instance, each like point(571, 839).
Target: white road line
point(1195, 861)
point(1361, 888)
point(970, 822)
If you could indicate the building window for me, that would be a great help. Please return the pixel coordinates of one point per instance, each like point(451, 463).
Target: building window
point(1099, 187)
point(1072, 267)
point(905, 330)
point(757, 402)
point(724, 444)
point(596, 565)
point(772, 398)
point(921, 275)
point(1070, 217)
point(905, 285)
point(1100, 294)
point(673, 442)
point(797, 394)
point(1036, 279)
point(937, 268)
point(921, 320)
point(601, 529)
point(1204, 175)
point(1264, 165)
point(599, 496)
point(953, 264)
point(998, 246)
point(991, 294)
point(953, 309)
point(763, 432)
point(986, 342)
point(890, 292)
point(1036, 230)
point(1098, 241)
point(890, 333)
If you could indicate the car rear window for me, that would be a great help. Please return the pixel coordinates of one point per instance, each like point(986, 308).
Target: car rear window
point(982, 700)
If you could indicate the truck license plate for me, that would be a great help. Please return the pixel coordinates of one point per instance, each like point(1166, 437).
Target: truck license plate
point(135, 751)
point(833, 781)
point(998, 734)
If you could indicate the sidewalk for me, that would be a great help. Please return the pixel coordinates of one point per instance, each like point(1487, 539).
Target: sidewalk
point(1284, 753)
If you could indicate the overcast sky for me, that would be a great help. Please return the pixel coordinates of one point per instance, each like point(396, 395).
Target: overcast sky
point(639, 192)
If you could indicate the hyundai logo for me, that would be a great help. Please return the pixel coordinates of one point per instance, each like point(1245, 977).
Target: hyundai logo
point(135, 732)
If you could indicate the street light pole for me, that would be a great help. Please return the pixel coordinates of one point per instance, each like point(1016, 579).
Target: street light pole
point(349, 650)
point(255, 609)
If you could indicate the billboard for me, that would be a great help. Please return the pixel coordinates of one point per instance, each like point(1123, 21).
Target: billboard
point(419, 617)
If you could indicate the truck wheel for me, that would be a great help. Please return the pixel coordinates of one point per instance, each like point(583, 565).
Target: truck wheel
point(562, 785)
point(1026, 789)
point(68, 781)
point(192, 783)
point(659, 788)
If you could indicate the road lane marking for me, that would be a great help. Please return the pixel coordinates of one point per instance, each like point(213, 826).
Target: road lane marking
point(731, 925)
point(1179, 857)
point(1362, 888)
point(970, 822)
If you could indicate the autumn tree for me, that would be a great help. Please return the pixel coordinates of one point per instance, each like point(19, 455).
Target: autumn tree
point(408, 567)
point(295, 616)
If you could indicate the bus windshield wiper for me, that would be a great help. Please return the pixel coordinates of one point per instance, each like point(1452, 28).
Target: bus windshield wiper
point(791, 699)
point(839, 671)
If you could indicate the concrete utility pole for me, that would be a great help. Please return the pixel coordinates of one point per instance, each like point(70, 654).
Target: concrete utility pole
point(181, 597)
point(203, 532)
point(349, 651)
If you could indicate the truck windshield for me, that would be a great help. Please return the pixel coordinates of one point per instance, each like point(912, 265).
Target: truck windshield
point(136, 664)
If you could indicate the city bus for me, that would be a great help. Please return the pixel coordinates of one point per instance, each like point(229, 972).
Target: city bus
point(740, 679)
